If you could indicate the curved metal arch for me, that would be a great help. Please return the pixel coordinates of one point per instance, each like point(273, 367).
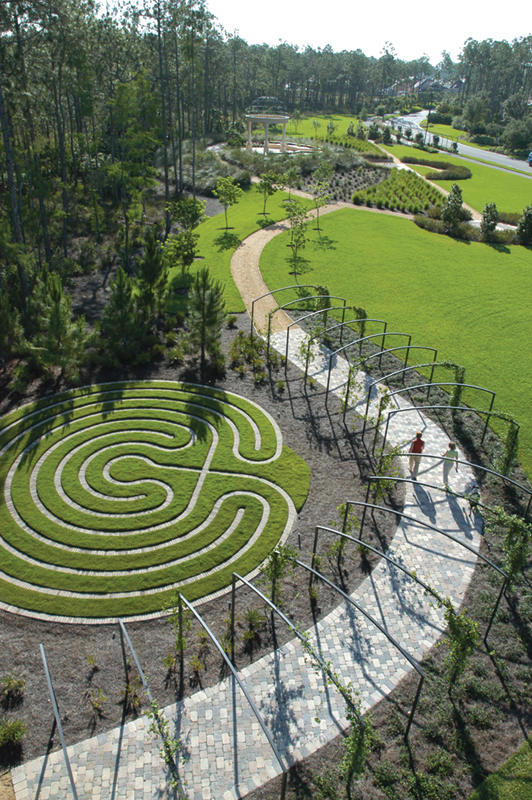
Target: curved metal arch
point(306, 316)
point(300, 636)
point(441, 407)
point(394, 642)
point(274, 291)
point(404, 370)
point(357, 341)
point(238, 679)
point(446, 383)
point(298, 300)
point(342, 325)
point(432, 527)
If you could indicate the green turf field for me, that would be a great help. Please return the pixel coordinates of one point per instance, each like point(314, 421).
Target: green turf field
point(216, 245)
point(469, 300)
point(487, 185)
point(512, 781)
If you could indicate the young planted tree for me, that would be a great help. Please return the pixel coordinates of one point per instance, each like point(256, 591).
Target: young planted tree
point(320, 189)
point(296, 118)
point(11, 331)
point(60, 341)
point(122, 328)
point(206, 316)
point(228, 193)
point(268, 185)
point(182, 247)
point(152, 275)
point(490, 218)
point(452, 208)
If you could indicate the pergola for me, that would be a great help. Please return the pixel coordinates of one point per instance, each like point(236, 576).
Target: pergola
point(268, 111)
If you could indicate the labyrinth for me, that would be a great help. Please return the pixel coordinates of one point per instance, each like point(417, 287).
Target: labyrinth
point(118, 495)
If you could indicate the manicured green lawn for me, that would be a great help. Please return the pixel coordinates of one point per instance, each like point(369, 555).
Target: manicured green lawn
point(469, 300)
point(451, 133)
point(216, 245)
point(512, 781)
point(167, 512)
point(306, 128)
point(509, 192)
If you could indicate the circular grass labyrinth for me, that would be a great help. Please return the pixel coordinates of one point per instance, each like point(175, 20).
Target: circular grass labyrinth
point(118, 495)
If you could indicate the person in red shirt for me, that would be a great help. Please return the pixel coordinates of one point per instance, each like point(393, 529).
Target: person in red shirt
point(416, 448)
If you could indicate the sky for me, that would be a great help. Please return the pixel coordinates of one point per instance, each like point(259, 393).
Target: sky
point(359, 24)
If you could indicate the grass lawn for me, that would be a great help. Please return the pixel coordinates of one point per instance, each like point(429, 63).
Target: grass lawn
point(469, 300)
point(451, 133)
point(306, 128)
point(509, 192)
point(513, 781)
point(216, 245)
point(104, 546)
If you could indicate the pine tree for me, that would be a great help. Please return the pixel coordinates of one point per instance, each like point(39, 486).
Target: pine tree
point(60, 341)
point(206, 310)
point(152, 275)
point(122, 325)
point(452, 208)
point(11, 333)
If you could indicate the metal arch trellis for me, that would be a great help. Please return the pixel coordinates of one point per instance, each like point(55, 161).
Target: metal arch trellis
point(168, 758)
point(518, 485)
point(341, 325)
point(357, 341)
point(57, 716)
point(298, 300)
point(242, 687)
point(442, 407)
point(412, 575)
point(274, 291)
point(313, 314)
point(390, 395)
point(299, 635)
point(404, 370)
point(394, 642)
point(434, 528)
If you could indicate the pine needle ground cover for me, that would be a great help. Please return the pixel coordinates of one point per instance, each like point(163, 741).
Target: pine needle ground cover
point(488, 185)
point(117, 496)
point(471, 301)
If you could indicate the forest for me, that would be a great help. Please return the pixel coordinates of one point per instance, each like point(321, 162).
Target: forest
point(102, 113)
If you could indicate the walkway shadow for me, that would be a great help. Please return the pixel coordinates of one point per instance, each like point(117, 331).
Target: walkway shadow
point(463, 523)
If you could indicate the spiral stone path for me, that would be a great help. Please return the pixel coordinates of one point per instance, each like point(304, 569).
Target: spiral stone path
point(224, 753)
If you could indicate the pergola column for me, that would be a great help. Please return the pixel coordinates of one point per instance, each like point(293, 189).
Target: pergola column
point(266, 148)
point(283, 141)
point(249, 146)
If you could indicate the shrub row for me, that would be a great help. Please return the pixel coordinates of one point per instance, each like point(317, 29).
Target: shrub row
point(465, 231)
point(403, 191)
point(449, 172)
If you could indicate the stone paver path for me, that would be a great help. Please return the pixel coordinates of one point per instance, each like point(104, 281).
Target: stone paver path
point(225, 753)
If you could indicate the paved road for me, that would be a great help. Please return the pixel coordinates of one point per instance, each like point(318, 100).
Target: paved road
point(497, 159)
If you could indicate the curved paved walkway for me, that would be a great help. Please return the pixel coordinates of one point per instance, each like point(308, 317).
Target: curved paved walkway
point(226, 751)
